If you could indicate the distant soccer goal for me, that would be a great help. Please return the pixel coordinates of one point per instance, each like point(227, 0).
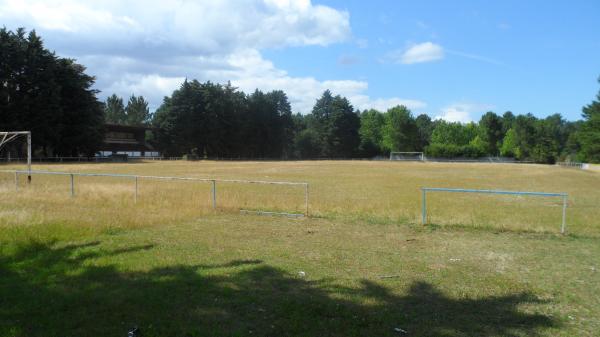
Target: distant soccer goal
point(407, 156)
point(8, 136)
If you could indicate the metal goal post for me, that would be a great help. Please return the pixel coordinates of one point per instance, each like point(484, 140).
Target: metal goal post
point(7, 136)
point(396, 155)
point(424, 191)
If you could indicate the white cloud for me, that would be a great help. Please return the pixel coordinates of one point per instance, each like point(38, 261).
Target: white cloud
point(418, 53)
point(462, 112)
point(192, 26)
point(148, 47)
point(255, 72)
point(152, 86)
point(246, 69)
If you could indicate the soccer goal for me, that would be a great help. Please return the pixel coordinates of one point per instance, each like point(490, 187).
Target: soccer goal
point(425, 190)
point(412, 156)
point(8, 136)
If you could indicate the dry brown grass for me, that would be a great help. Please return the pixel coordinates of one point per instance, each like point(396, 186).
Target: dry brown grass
point(372, 191)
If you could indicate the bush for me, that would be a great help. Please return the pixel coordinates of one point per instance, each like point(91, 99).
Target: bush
point(454, 151)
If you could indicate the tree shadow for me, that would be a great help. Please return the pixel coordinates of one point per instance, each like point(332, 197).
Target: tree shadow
point(51, 290)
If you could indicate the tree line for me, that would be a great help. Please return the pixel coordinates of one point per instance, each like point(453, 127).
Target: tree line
point(212, 120)
point(53, 97)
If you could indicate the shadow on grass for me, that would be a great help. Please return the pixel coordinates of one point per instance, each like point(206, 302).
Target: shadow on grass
point(51, 290)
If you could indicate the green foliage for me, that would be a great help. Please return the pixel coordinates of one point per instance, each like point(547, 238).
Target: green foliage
point(48, 95)
point(491, 132)
point(454, 151)
point(509, 144)
point(137, 111)
point(478, 147)
point(548, 139)
point(371, 133)
point(307, 144)
point(508, 118)
point(525, 139)
point(400, 130)
point(453, 139)
point(114, 110)
point(221, 121)
point(336, 125)
point(589, 136)
point(425, 128)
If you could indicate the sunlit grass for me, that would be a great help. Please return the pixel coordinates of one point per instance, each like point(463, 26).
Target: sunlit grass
point(99, 263)
point(386, 192)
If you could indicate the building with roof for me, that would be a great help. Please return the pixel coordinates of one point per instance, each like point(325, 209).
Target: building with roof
point(126, 140)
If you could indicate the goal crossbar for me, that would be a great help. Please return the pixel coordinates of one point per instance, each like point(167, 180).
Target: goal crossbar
point(424, 191)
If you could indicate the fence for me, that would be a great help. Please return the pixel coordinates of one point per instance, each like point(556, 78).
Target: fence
point(80, 159)
point(424, 191)
point(136, 178)
point(500, 160)
point(571, 164)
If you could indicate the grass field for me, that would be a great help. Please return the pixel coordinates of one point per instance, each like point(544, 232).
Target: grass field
point(99, 264)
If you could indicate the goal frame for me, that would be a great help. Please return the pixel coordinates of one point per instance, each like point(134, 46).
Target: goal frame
point(421, 156)
point(425, 190)
point(8, 136)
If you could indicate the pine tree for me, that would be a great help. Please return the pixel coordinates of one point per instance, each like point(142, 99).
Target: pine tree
point(114, 110)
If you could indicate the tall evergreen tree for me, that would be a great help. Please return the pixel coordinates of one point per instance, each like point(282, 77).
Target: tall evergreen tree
point(114, 110)
point(336, 125)
point(48, 95)
point(425, 127)
point(284, 123)
point(524, 127)
point(343, 139)
point(548, 137)
point(491, 134)
point(589, 136)
point(137, 111)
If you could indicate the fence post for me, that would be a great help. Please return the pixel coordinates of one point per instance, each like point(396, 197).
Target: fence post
point(306, 199)
point(214, 194)
point(424, 207)
point(564, 215)
point(135, 196)
point(72, 186)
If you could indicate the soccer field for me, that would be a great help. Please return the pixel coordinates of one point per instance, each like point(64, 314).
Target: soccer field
point(486, 265)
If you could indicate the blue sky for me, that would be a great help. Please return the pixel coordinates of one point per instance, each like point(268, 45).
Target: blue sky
point(541, 57)
point(449, 59)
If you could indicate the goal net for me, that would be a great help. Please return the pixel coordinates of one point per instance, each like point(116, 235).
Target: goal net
point(8, 136)
point(412, 156)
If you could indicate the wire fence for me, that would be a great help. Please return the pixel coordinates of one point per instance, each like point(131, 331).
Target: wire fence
point(135, 181)
point(571, 164)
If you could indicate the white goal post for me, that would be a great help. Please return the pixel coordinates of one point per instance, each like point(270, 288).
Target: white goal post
point(7, 136)
point(407, 156)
